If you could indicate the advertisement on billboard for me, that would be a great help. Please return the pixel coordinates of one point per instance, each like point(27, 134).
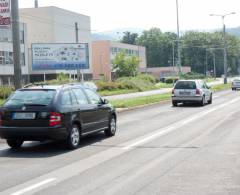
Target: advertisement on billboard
point(54, 56)
point(5, 14)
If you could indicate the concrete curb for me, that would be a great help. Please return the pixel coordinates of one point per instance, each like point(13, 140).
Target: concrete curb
point(120, 110)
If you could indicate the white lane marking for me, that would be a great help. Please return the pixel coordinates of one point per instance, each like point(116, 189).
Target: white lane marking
point(80, 166)
point(161, 132)
point(35, 186)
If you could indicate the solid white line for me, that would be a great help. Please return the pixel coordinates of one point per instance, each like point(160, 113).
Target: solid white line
point(34, 186)
point(161, 132)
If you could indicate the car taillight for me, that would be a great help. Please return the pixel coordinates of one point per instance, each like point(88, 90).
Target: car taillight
point(198, 92)
point(55, 119)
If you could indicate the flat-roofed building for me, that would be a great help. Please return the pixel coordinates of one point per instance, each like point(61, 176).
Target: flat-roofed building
point(6, 55)
point(55, 25)
point(103, 52)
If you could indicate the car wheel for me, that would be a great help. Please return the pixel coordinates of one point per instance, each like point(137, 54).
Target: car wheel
point(15, 143)
point(73, 139)
point(202, 103)
point(112, 127)
point(210, 100)
point(174, 103)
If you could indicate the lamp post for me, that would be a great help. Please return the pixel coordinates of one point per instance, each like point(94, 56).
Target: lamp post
point(225, 44)
point(178, 41)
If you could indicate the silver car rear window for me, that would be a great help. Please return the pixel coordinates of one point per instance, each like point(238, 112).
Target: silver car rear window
point(185, 85)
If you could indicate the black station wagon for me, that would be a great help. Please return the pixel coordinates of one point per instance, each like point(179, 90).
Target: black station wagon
point(66, 112)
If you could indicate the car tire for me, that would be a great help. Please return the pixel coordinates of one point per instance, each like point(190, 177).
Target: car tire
point(15, 143)
point(210, 100)
point(112, 127)
point(202, 103)
point(174, 103)
point(74, 137)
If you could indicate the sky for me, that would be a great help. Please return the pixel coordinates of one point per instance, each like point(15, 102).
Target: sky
point(114, 14)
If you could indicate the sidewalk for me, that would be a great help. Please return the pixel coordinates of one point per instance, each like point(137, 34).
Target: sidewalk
point(152, 92)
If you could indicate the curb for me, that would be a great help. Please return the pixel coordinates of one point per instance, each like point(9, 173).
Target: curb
point(120, 110)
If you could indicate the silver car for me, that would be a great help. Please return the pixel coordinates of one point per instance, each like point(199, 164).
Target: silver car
point(191, 91)
point(236, 84)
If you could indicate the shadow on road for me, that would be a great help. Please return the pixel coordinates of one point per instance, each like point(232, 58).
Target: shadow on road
point(48, 148)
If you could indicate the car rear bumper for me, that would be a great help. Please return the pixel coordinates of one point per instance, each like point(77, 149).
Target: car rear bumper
point(33, 133)
point(187, 98)
point(236, 86)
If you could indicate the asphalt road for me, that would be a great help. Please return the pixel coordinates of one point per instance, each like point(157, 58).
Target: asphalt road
point(160, 149)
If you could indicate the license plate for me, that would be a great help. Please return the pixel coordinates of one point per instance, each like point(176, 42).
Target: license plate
point(184, 93)
point(24, 116)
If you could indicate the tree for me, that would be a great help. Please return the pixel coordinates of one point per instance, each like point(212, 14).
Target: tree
point(125, 65)
point(159, 47)
point(129, 38)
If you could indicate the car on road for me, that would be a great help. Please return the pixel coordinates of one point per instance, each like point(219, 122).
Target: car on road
point(191, 91)
point(65, 112)
point(236, 84)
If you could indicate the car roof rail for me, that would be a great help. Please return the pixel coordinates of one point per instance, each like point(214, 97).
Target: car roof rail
point(34, 84)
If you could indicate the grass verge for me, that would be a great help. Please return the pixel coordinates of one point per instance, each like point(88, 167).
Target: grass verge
point(117, 92)
point(1, 101)
point(221, 87)
point(139, 101)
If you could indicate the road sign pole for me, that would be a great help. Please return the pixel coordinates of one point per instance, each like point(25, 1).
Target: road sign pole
point(16, 44)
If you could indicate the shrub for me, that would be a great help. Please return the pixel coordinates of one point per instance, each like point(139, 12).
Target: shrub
point(147, 77)
point(193, 75)
point(170, 80)
point(5, 92)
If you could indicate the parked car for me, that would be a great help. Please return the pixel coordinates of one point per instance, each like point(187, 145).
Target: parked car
point(236, 84)
point(67, 112)
point(191, 91)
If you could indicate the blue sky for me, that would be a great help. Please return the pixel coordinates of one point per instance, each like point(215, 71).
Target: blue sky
point(113, 14)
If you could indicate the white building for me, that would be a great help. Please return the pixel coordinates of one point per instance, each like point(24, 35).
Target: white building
point(6, 55)
point(55, 25)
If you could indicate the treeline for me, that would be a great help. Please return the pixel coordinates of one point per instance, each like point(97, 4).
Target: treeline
point(199, 50)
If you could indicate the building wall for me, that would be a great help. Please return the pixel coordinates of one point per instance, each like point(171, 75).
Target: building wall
point(105, 51)
point(55, 25)
point(6, 55)
point(137, 51)
point(101, 59)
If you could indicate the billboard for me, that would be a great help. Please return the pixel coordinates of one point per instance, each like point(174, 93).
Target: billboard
point(5, 14)
point(56, 56)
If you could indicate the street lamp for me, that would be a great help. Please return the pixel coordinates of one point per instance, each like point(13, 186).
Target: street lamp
point(178, 41)
point(225, 43)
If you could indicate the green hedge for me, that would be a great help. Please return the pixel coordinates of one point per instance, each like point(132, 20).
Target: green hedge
point(171, 80)
point(193, 75)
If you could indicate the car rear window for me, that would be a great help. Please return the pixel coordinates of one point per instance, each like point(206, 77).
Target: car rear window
point(31, 97)
point(185, 85)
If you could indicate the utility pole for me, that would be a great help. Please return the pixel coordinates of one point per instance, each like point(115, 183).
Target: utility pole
point(206, 63)
point(79, 71)
point(16, 44)
point(36, 4)
point(214, 65)
point(224, 52)
point(225, 44)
